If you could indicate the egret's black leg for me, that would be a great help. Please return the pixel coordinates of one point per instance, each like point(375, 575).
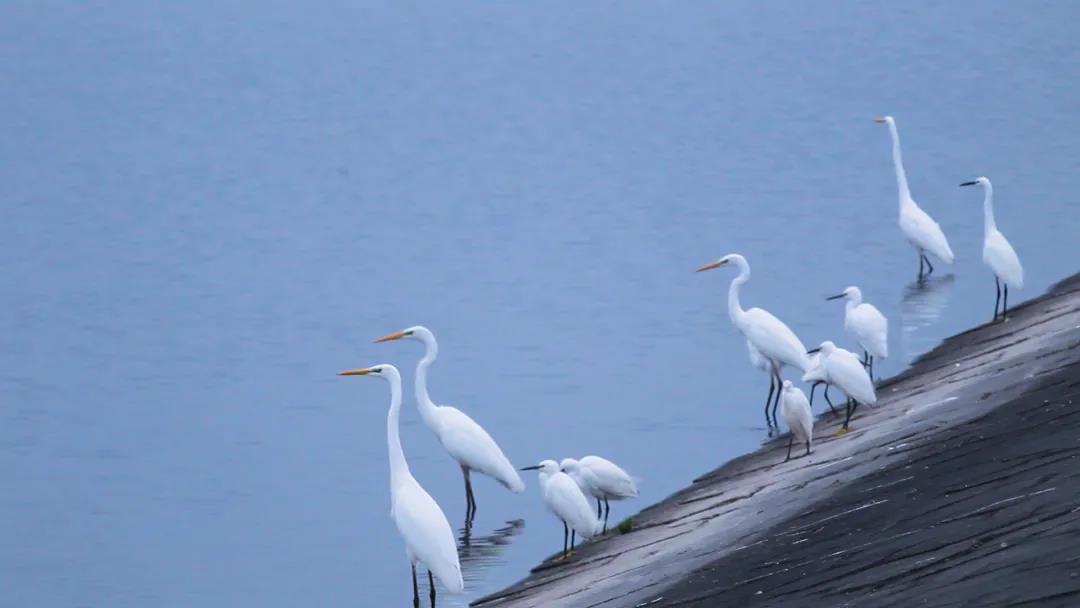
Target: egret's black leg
point(829, 401)
point(807, 447)
point(870, 360)
point(607, 511)
point(597, 508)
point(470, 502)
point(776, 403)
point(1005, 302)
point(921, 266)
point(929, 266)
point(431, 586)
point(997, 301)
point(415, 590)
point(790, 441)
point(813, 387)
point(573, 535)
point(865, 358)
point(565, 538)
point(851, 405)
point(768, 422)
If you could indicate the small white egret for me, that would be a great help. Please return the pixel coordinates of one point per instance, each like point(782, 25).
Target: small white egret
point(563, 497)
point(864, 322)
point(797, 414)
point(918, 227)
point(815, 375)
point(998, 254)
point(844, 371)
point(602, 479)
point(421, 523)
point(465, 440)
point(773, 341)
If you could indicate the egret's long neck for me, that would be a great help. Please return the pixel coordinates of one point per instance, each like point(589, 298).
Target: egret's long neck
point(399, 468)
point(735, 309)
point(423, 401)
point(988, 210)
point(851, 303)
point(901, 177)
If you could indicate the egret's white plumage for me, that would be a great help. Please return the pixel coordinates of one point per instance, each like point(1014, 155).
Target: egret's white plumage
point(998, 254)
point(796, 411)
point(466, 441)
point(918, 227)
point(865, 323)
point(845, 372)
point(772, 340)
point(601, 479)
point(563, 497)
point(422, 524)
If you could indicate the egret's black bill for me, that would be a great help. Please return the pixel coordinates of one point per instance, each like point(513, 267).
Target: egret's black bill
point(836, 297)
point(532, 468)
point(968, 184)
point(813, 350)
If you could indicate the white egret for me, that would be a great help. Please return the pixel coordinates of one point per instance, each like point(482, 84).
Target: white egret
point(773, 341)
point(421, 523)
point(918, 227)
point(844, 371)
point(815, 375)
point(469, 444)
point(563, 497)
point(864, 322)
point(797, 414)
point(602, 479)
point(998, 254)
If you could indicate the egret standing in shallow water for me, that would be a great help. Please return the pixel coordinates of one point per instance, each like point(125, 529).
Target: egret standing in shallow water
point(866, 324)
point(844, 371)
point(563, 497)
point(918, 227)
point(998, 254)
point(602, 479)
point(773, 341)
point(797, 414)
point(421, 523)
point(463, 438)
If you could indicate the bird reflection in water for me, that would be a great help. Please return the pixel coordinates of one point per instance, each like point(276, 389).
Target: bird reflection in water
point(481, 553)
point(923, 303)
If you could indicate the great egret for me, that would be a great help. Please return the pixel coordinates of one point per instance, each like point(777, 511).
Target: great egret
point(797, 414)
point(844, 371)
point(463, 438)
point(998, 254)
point(773, 341)
point(602, 479)
point(421, 523)
point(564, 498)
point(866, 324)
point(921, 230)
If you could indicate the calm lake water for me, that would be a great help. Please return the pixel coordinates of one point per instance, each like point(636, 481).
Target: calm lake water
point(209, 208)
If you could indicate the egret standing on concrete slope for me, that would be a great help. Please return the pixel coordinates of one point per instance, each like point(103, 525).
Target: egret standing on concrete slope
point(602, 479)
point(998, 254)
point(419, 520)
point(773, 340)
point(921, 230)
point(564, 498)
point(866, 324)
point(846, 372)
point(797, 414)
point(466, 440)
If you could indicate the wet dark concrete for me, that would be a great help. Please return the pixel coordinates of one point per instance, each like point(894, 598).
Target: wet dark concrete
point(961, 489)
